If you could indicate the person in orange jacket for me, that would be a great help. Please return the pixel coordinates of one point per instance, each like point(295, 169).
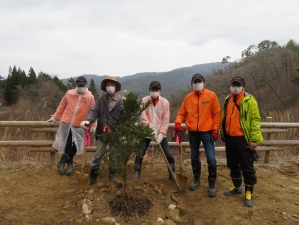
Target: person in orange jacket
point(201, 110)
point(73, 108)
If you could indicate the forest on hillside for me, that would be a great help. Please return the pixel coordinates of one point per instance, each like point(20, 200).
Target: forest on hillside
point(272, 77)
point(271, 72)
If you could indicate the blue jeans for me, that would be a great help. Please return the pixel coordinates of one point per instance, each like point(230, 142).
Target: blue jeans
point(206, 138)
point(143, 147)
point(101, 150)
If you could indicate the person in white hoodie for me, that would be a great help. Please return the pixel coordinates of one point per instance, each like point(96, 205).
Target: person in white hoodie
point(73, 108)
point(156, 116)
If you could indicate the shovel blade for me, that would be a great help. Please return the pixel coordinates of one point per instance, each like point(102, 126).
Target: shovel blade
point(82, 180)
point(182, 180)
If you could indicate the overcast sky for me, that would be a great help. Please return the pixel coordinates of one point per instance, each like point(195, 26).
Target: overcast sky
point(69, 38)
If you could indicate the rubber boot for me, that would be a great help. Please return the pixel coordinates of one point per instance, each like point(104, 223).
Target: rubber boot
point(236, 188)
point(69, 170)
point(70, 167)
point(136, 174)
point(196, 172)
point(172, 166)
point(93, 175)
point(212, 181)
point(137, 168)
point(249, 195)
point(63, 160)
point(61, 168)
point(112, 177)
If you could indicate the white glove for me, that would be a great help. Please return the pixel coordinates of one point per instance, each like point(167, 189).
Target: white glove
point(93, 129)
point(160, 138)
point(52, 120)
point(84, 123)
point(154, 135)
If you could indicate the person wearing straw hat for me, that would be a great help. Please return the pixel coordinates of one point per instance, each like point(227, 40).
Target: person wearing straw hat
point(241, 133)
point(156, 116)
point(107, 111)
point(73, 108)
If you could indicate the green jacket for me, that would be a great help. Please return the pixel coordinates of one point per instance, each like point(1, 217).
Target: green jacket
point(250, 119)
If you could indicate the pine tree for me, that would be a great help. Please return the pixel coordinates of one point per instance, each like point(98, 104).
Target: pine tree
point(71, 84)
point(59, 83)
point(93, 90)
point(43, 76)
point(22, 78)
point(11, 91)
point(31, 76)
point(128, 134)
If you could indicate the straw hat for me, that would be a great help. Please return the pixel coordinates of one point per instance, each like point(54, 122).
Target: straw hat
point(110, 78)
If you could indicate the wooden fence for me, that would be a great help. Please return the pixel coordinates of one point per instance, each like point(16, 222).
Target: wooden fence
point(268, 128)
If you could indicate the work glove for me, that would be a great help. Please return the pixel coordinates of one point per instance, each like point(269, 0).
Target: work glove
point(52, 120)
point(154, 135)
point(92, 129)
point(178, 128)
point(84, 124)
point(160, 138)
point(215, 135)
point(253, 156)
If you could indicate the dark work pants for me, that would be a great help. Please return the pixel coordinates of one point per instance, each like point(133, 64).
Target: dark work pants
point(69, 151)
point(238, 159)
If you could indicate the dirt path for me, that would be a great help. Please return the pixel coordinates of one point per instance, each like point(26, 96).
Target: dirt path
point(32, 193)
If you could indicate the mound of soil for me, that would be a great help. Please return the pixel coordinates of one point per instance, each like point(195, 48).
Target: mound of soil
point(127, 206)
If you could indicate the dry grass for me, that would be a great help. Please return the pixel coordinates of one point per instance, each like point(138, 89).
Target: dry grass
point(286, 117)
point(292, 134)
point(23, 133)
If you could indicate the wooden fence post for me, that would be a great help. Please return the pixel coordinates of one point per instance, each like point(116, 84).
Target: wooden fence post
point(53, 154)
point(268, 137)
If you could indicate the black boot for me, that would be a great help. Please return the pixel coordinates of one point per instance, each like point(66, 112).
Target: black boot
point(212, 181)
point(61, 168)
point(172, 166)
point(70, 166)
point(112, 177)
point(93, 176)
point(249, 195)
point(61, 164)
point(69, 170)
point(236, 188)
point(196, 172)
point(137, 168)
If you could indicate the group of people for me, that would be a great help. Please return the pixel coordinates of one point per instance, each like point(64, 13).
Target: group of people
point(238, 122)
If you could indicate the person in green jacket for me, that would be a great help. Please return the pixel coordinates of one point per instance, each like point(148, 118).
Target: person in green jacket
point(241, 134)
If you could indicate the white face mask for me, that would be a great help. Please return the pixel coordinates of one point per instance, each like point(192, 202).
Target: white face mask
point(198, 86)
point(236, 89)
point(110, 90)
point(154, 94)
point(80, 90)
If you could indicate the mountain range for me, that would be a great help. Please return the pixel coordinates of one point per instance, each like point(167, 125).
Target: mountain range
point(170, 81)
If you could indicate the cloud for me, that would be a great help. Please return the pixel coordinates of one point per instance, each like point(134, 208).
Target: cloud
point(70, 38)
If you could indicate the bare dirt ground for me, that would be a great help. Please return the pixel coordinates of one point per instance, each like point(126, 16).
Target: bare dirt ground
point(34, 193)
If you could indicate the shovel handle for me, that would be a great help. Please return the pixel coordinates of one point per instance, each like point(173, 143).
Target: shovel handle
point(169, 168)
point(83, 158)
point(181, 158)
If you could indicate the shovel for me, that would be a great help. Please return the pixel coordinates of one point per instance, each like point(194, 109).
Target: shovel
point(171, 172)
point(182, 180)
point(83, 178)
